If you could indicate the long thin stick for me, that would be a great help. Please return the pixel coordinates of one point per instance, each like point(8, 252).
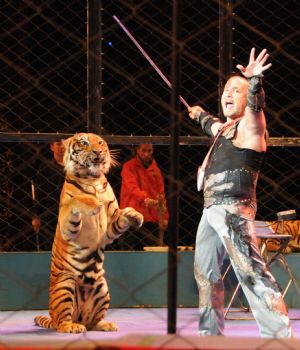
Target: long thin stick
point(149, 59)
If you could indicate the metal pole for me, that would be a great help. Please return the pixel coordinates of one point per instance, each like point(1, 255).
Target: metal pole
point(94, 66)
point(225, 44)
point(174, 173)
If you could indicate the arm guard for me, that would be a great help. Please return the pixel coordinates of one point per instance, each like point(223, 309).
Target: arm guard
point(206, 120)
point(256, 94)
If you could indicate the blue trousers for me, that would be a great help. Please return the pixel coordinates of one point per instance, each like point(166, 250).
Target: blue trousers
point(222, 230)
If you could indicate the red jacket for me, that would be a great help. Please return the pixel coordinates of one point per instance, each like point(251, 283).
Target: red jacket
point(139, 183)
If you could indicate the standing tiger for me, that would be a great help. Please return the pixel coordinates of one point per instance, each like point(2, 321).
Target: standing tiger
point(89, 219)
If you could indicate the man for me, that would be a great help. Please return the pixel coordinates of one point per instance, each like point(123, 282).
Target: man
point(143, 189)
point(46, 188)
point(227, 223)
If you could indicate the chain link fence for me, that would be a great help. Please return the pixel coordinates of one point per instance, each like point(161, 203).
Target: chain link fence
point(45, 97)
point(43, 93)
point(53, 61)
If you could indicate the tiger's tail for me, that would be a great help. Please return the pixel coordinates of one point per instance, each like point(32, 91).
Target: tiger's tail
point(43, 321)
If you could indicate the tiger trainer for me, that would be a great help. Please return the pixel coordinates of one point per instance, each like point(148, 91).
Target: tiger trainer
point(228, 178)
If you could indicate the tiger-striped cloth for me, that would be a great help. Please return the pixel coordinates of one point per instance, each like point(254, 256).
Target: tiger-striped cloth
point(289, 227)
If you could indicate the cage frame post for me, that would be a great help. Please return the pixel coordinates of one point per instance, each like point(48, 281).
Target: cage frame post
point(174, 168)
point(94, 66)
point(225, 45)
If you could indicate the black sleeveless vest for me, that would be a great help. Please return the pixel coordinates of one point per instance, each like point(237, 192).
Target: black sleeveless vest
point(232, 173)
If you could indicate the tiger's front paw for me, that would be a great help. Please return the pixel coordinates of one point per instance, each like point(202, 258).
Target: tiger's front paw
point(86, 204)
point(134, 217)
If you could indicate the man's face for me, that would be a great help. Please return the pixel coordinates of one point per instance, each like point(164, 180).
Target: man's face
point(58, 151)
point(234, 97)
point(145, 153)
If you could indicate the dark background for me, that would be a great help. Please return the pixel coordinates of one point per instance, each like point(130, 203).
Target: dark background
point(44, 92)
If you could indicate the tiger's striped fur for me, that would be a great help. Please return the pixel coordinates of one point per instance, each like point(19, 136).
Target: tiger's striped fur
point(89, 219)
point(288, 227)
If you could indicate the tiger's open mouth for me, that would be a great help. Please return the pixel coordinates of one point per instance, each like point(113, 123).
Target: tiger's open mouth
point(97, 161)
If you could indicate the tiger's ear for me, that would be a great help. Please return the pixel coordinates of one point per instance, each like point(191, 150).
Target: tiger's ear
point(66, 146)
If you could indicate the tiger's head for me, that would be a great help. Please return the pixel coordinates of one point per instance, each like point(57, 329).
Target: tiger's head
point(87, 156)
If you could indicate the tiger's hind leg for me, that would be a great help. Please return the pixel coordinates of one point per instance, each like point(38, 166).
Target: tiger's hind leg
point(101, 306)
point(63, 304)
point(70, 327)
point(105, 326)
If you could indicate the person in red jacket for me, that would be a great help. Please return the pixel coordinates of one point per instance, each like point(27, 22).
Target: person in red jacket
point(143, 189)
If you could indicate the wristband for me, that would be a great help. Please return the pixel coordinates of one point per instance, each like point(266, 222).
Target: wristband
point(205, 119)
point(256, 94)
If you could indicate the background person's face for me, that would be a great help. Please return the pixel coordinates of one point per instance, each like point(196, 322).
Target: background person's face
point(145, 153)
point(58, 151)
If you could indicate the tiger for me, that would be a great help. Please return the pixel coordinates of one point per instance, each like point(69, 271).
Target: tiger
point(89, 218)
